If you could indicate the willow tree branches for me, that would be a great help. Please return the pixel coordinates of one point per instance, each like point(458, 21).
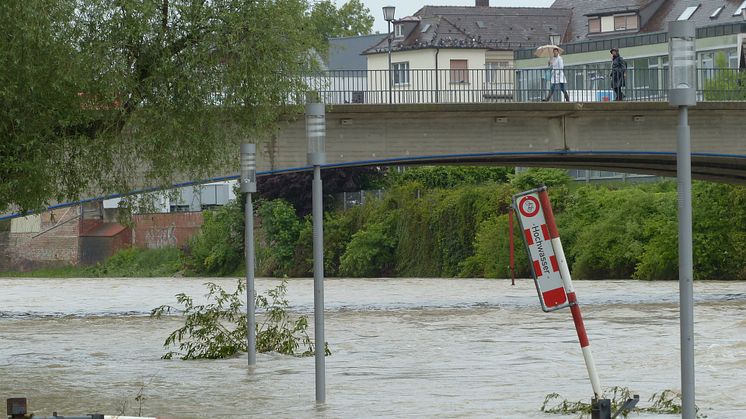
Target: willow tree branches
point(100, 95)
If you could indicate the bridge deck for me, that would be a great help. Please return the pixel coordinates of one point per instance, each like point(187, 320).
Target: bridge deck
point(633, 137)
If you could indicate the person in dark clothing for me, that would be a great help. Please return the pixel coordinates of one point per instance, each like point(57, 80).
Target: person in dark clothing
point(618, 73)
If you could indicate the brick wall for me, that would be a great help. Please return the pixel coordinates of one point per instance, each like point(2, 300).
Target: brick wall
point(4, 256)
point(62, 239)
point(55, 244)
point(153, 231)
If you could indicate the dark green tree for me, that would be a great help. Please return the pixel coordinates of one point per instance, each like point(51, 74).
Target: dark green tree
point(352, 19)
point(99, 96)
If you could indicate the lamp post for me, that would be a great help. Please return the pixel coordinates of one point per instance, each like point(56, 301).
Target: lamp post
point(248, 187)
point(682, 93)
point(388, 16)
point(316, 133)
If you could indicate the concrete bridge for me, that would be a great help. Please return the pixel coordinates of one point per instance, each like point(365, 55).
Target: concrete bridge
point(631, 137)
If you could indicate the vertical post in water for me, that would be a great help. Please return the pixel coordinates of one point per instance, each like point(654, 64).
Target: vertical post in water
point(318, 286)
point(512, 246)
point(686, 271)
point(585, 345)
point(682, 94)
point(248, 187)
point(250, 297)
point(316, 132)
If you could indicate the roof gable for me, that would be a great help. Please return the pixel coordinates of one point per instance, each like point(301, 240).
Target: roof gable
point(504, 28)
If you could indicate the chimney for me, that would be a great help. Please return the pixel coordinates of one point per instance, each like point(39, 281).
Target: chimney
point(482, 3)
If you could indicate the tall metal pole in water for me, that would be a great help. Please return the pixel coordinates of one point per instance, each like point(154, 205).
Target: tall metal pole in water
point(682, 93)
point(316, 132)
point(248, 187)
point(512, 246)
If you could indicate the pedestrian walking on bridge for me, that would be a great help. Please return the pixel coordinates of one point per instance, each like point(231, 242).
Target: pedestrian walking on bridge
point(618, 73)
point(557, 77)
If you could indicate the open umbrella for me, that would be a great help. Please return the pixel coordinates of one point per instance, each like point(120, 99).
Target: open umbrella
point(547, 51)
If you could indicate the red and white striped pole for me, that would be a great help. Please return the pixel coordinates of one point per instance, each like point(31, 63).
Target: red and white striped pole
point(512, 247)
point(577, 318)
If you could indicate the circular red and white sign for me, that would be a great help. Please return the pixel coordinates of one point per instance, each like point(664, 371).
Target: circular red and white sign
point(529, 206)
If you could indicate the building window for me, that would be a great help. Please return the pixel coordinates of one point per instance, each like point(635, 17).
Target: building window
point(497, 72)
point(459, 71)
point(398, 32)
point(740, 9)
point(688, 12)
point(716, 13)
point(179, 208)
point(401, 72)
point(625, 23)
point(594, 25)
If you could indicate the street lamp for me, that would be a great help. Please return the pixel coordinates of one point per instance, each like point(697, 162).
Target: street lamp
point(682, 93)
point(388, 16)
point(316, 133)
point(248, 187)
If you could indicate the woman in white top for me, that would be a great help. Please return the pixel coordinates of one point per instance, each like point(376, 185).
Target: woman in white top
point(557, 76)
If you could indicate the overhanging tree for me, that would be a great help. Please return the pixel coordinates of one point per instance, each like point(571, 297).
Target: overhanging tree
point(100, 95)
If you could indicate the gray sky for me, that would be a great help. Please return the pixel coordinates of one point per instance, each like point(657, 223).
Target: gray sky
point(408, 7)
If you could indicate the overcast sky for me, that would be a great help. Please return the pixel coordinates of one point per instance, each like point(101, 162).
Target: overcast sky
point(408, 7)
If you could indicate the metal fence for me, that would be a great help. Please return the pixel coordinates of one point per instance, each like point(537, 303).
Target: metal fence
point(409, 86)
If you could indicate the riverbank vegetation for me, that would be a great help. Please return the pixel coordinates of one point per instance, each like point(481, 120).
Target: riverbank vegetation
point(131, 262)
point(453, 222)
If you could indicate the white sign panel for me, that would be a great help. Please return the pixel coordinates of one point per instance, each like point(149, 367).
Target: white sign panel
point(543, 262)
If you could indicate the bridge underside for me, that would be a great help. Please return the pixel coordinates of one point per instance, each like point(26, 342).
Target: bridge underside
point(725, 169)
point(629, 137)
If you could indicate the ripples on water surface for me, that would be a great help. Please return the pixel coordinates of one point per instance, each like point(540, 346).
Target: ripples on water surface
point(401, 348)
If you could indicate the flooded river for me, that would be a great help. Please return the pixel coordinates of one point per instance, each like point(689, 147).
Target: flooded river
point(401, 348)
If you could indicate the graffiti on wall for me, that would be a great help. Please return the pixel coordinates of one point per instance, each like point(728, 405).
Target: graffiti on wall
point(156, 238)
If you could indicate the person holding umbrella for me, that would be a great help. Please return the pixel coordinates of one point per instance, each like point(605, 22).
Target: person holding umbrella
point(618, 73)
point(557, 76)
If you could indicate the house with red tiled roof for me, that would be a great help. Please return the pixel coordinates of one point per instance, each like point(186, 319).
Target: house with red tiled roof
point(455, 48)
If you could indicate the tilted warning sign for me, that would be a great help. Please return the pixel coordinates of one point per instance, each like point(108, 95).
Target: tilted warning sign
point(541, 253)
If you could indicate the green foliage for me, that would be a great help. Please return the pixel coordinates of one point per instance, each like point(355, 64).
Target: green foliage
point(718, 241)
point(131, 262)
point(605, 230)
point(370, 252)
point(217, 329)
point(723, 83)
point(279, 234)
point(432, 177)
point(278, 332)
point(102, 96)
point(136, 262)
point(437, 228)
point(666, 402)
point(352, 19)
point(491, 258)
point(218, 247)
point(338, 230)
point(534, 177)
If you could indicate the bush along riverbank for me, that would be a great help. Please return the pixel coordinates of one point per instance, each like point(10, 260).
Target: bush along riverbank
point(439, 223)
point(453, 222)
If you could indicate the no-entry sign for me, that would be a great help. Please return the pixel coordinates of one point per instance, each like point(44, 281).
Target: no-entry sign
point(538, 242)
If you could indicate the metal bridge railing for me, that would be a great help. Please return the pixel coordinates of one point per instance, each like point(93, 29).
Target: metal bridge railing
point(410, 86)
